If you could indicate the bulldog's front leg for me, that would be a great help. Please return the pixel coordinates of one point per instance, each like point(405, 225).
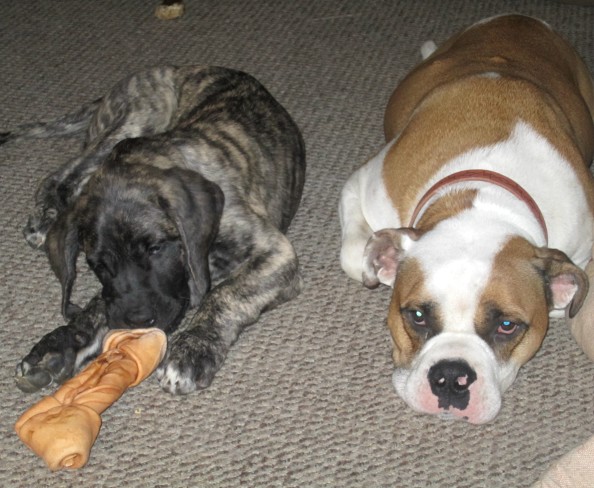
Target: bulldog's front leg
point(354, 229)
point(196, 352)
point(363, 196)
point(56, 357)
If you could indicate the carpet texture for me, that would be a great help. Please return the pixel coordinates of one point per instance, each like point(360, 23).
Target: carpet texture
point(305, 397)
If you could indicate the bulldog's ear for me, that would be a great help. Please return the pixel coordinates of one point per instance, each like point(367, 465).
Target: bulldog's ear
point(384, 250)
point(195, 205)
point(567, 284)
point(62, 247)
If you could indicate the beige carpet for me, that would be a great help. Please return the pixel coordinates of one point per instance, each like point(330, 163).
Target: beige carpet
point(305, 398)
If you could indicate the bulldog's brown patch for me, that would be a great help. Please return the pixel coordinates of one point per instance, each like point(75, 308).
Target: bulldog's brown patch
point(515, 294)
point(447, 106)
point(410, 295)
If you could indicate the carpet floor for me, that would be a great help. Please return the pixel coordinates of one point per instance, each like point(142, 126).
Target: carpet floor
point(305, 397)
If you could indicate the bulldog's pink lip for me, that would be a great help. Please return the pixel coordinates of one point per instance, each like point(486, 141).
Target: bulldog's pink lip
point(478, 411)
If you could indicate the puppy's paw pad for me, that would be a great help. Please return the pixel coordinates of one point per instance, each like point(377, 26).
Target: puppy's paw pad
point(35, 240)
point(175, 381)
point(37, 227)
point(51, 370)
point(191, 364)
point(34, 237)
point(30, 378)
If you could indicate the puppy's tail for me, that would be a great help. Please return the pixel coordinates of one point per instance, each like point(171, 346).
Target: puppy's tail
point(69, 124)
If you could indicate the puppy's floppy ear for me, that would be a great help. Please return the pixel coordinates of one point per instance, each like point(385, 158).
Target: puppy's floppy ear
point(62, 249)
point(566, 283)
point(384, 249)
point(195, 205)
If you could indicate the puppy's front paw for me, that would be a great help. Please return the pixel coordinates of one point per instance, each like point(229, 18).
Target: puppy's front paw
point(50, 362)
point(191, 363)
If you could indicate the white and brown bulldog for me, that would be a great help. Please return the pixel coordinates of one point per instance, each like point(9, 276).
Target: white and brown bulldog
point(478, 211)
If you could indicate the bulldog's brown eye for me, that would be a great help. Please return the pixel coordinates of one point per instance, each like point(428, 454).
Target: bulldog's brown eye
point(507, 327)
point(418, 318)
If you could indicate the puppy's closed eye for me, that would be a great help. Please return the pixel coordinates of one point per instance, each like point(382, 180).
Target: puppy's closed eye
point(155, 248)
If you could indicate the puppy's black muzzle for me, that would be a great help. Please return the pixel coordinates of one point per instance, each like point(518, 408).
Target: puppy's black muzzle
point(145, 308)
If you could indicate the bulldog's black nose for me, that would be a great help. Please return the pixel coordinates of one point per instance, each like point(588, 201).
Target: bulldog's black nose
point(449, 382)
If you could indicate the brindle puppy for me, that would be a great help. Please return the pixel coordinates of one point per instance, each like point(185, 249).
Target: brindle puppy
point(187, 181)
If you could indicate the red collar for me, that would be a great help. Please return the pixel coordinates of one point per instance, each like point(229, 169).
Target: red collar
point(488, 177)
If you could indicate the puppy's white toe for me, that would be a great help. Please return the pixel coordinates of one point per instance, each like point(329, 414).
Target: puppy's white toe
point(174, 381)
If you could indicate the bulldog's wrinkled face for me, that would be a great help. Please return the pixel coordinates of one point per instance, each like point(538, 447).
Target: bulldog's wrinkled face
point(466, 314)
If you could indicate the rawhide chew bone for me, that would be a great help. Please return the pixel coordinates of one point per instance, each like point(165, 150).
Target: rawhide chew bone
point(62, 428)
